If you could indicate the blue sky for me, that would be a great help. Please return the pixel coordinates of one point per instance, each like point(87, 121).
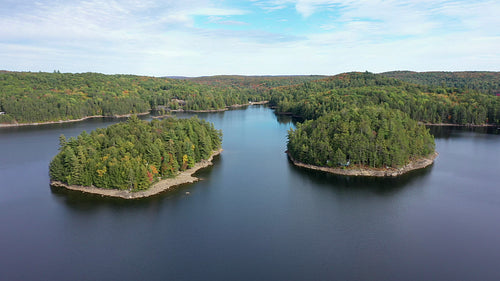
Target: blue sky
point(256, 37)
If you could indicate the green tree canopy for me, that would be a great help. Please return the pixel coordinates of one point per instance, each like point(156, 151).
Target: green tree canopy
point(134, 154)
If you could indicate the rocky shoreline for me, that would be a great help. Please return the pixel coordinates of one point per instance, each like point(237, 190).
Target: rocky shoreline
point(371, 172)
point(182, 178)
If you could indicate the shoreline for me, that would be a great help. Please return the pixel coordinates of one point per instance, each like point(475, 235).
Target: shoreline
point(70, 120)
point(130, 114)
point(371, 172)
point(457, 125)
point(228, 107)
point(163, 185)
point(419, 122)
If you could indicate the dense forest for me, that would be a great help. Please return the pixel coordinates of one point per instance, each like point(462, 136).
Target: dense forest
point(27, 97)
point(135, 154)
point(262, 83)
point(40, 97)
point(481, 81)
point(372, 136)
point(310, 100)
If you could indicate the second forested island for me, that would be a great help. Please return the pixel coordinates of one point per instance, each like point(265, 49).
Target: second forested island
point(135, 158)
point(367, 141)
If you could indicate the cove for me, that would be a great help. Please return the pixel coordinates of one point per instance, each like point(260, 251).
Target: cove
point(255, 216)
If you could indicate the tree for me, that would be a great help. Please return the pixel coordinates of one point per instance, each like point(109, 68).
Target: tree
point(340, 158)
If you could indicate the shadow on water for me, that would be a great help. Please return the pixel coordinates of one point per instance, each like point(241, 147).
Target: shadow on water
point(380, 186)
point(446, 132)
point(82, 201)
point(285, 118)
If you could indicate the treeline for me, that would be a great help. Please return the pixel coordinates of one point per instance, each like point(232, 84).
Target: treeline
point(40, 97)
point(373, 136)
point(479, 81)
point(134, 154)
point(313, 99)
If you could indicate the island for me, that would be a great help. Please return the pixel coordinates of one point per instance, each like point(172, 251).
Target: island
point(135, 159)
point(367, 141)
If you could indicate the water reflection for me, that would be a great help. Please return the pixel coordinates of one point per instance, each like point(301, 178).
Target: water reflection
point(446, 132)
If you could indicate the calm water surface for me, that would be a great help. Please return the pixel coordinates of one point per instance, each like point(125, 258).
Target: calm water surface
point(255, 216)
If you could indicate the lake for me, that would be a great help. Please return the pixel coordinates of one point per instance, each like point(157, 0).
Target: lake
point(255, 216)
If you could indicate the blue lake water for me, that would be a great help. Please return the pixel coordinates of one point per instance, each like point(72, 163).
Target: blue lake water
point(255, 216)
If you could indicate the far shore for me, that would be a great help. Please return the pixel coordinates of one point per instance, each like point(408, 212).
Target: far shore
point(128, 115)
point(457, 125)
point(220, 109)
point(71, 120)
point(163, 185)
point(371, 172)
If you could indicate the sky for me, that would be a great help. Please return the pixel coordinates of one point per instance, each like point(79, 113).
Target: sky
point(255, 37)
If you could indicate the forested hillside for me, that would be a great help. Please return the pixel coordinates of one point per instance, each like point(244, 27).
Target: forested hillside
point(40, 97)
point(254, 82)
point(135, 154)
point(481, 81)
point(454, 106)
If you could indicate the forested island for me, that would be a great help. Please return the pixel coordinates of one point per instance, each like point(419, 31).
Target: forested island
point(352, 122)
point(368, 141)
point(135, 156)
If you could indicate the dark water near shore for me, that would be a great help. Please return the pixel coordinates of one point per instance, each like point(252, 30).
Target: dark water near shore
point(255, 216)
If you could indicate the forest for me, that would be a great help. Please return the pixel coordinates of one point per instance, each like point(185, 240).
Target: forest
point(135, 154)
point(28, 97)
point(482, 81)
point(449, 106)
point(254, 82)
point(41, 97)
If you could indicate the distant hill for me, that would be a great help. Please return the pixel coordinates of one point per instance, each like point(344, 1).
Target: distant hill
point(177, 77)
point(267, 81)
point(483, 81)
